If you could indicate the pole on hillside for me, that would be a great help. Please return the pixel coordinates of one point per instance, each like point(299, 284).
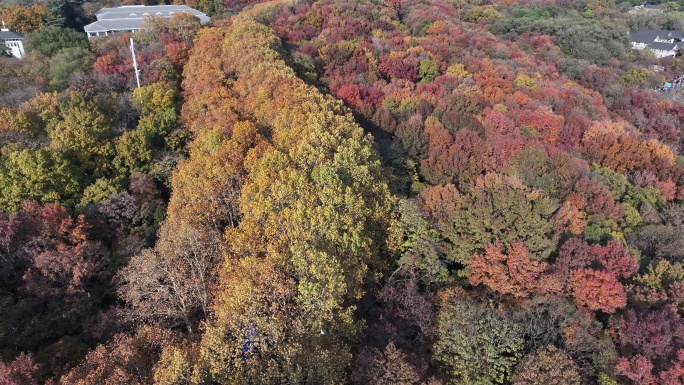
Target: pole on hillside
point(135, 64)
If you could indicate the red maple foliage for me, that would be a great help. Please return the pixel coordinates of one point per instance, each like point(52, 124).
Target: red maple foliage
point(597, 290)
point(638, 369)
point(510, 271)
point(21, 371)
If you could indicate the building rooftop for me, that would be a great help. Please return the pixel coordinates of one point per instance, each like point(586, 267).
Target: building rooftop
point(679, 35)
point(664, 46)
point(139, 11)
point(648, 35)
point(9, 35)
point(113, 25)
point(131, 17)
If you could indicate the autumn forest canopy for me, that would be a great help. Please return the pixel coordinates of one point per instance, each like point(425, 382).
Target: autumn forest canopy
point(342, 192)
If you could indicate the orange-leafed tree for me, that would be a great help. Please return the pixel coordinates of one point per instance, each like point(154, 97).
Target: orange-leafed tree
point(126, 359)
point(510, 271)
point(207, 185)
point(597, 290)
point(24, 19)
point(495, 85)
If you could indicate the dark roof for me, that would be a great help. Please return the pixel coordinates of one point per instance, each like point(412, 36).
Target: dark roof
point(647, 35)
point(7, 35)
point(679, 35)
point(651, 6)
point(663, 46)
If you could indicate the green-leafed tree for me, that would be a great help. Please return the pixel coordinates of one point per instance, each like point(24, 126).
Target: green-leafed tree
point(66, 63)
point(476, 345)
point(49, 40)
point(84, 136)
point(42, 175)
point(495, 208)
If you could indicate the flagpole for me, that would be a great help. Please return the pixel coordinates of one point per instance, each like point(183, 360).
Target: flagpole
point(135, 64)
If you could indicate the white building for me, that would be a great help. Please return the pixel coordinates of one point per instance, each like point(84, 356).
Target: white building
point(129, 18)
point(645, 8)
point(663, 43)
point(13, 41)
point(662, 50)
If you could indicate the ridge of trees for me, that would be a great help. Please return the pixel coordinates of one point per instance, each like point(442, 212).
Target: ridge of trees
point(412, 192)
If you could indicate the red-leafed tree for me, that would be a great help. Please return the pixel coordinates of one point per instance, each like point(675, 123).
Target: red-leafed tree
point(54, 276)
point(591, 273)
point(657, 335)
point(576, 254)
point(675, 374)
point(596, 78)
point(599, 199)
point(21, 371)
point(400, 66)
point(654, 117)
point(638, 369)
point(461, 157)
point(597, 290)
point(545, 123)
point(63, 261)
point(575, 126)
point(614, 258)
point(510, 271)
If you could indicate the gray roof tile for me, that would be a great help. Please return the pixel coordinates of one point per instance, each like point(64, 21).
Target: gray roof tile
point(648, 35)
point(679, 35)
point(7, 35)
point(132, 17)
point(663, 46)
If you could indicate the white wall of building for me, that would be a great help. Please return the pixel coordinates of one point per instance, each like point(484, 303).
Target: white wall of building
point(15, 47)
point(661, 54)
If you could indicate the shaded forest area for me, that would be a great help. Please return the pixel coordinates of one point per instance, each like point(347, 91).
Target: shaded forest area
point(326, 192)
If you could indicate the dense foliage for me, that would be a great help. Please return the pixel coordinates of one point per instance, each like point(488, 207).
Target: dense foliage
point(355, 191)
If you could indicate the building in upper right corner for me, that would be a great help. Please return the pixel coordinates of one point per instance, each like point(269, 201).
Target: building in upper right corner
point(663, 43)
point(645, 8)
